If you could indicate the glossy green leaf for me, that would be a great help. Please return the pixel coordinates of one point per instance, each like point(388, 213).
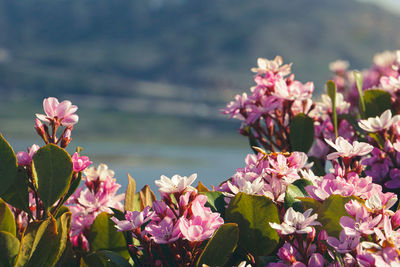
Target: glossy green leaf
point(53, 167)
point(132, 199)
point(49, 241)
point(104, 236)
point(291, 198)
point(8, 166)
point(253, 214)
point(301, 184)
point(9, 248)
point(17, 194)
point(73, 186)
point(376, 102)
point(221, 246)
point(318, 168)
point(215, 201)
point(331, 88)
point(330, 212)
point(310, 203)
point(301, 133)
point(106, 258)
point(7, 221)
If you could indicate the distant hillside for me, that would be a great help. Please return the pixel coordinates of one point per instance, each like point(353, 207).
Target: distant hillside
point(113, 47)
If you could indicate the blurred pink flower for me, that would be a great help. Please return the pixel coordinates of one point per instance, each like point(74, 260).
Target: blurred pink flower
point(64, 112)
point(25, 158)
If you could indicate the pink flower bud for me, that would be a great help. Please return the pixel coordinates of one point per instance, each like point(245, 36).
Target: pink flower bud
point(396, 220)
point(38, 124)
point(316, 260)
point(311, 235)
point(23, 158)
point(323, 235)
point(285, 255)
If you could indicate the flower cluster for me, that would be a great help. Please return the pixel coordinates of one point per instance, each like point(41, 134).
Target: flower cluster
point(98, 195)
point(275, 99)
point(180, 220)
point(267, 175)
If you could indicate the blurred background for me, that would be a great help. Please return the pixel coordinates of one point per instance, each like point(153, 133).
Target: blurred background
point(150, 76)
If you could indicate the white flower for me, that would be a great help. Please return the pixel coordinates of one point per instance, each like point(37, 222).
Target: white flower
point(176, 184)
point(326, 105)
point(346, 150)
point(296, 222)
point(339, 66)
point(379, 123)
point(265, 65)
point(101, 173)
point(250, 188)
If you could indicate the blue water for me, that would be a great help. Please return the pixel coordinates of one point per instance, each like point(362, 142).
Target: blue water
point(147, 162)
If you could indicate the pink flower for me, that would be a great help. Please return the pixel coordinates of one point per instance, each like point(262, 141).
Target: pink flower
point(296, 222)
point(134, 219)
point(80, 163)
point(163, 232)
point(202, 224)
point(64, 112)
point(346, 243)
point(295, 91)
point(379, 123)
point(346, 150)
point(360, 225)
point(25, 158)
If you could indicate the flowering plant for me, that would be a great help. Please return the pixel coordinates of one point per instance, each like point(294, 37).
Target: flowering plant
point(320, 189)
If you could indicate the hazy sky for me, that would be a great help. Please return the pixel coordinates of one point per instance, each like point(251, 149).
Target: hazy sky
point(390, 5)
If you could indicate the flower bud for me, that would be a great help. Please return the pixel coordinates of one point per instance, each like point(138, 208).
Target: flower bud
point(396, 219)
point(311, 235)
point(285, 255)
point(23, 158)
point(66, 138)
point(323, 235)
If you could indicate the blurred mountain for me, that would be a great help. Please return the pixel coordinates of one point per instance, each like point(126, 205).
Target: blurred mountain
point(179, 49)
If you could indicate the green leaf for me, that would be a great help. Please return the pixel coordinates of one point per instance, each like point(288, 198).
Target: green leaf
point(104, 236)
point(253, 214)
point(73, 186)
point(292, 192)
point(359, 83)
point(17, 194)
point(221, 246)
point(301, 133)
point(9, 248)
point(310, 203)
point(331, 211)
point(53, 167)
point(215, 201)
point(318, 168)
point(8, 166)
point(331, 87)
point(7, 221)
point(106, 258)
point(301, 184)
point(376, 102)
point(47, 243)
point(132, 199)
